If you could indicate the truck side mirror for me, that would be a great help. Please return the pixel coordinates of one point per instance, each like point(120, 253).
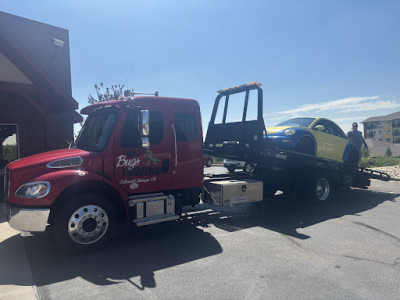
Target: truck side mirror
point(145, 129)
point(319, 128)
point(145, 123)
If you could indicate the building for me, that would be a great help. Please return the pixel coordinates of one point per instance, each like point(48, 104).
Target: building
point(37, 111)
point(383, 129)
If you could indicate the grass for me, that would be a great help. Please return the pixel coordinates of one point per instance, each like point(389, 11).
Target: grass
point(373, 162)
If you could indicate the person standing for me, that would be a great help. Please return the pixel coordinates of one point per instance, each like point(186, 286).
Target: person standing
point(356, 138)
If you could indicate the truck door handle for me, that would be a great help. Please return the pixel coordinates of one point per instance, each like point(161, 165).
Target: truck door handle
point(176, 150)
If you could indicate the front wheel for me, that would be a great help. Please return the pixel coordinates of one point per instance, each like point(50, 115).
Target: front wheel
point(305, 146)
point(231, 169)
point(85, 222)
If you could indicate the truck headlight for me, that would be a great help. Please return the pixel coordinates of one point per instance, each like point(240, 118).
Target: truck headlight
point(37, 189)
point(290, 132)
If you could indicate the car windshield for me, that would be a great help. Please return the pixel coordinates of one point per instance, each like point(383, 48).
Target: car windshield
point(97, 129)
point(297, 122)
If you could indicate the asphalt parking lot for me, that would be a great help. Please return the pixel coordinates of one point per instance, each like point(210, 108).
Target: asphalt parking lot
point(278, 249)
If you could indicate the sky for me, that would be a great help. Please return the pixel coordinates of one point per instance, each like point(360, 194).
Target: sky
point(334, 59)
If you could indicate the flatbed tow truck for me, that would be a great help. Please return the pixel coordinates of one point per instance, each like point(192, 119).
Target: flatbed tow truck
point(139, 160)
point(311, 177)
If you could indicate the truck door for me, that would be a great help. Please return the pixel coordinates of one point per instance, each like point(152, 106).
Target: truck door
point(187, 153)
point(140, 170)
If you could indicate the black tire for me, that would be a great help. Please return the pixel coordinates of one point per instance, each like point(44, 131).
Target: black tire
point(248, 168)
point(85, 222)
point(306, 146)
point(317, 189)
point(231, 169)
point(209, 162)
point(352, 159)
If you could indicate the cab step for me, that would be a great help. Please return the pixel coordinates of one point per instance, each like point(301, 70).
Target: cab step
point(149, 209)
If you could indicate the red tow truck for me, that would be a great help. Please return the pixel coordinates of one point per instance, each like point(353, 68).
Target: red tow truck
point(139, 160)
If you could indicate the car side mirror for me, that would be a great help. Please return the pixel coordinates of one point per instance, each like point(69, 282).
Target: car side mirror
point(145, 128)
point(319, 128)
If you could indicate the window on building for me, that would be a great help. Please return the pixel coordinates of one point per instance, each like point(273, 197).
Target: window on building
point(388, 131)
point(387, 122)
point(380, 124)
point(387, 140)
point(8, 144)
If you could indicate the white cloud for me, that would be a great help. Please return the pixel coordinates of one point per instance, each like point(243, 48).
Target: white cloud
point(343, 105)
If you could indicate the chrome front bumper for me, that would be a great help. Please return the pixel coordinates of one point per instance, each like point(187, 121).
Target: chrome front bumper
point(27, 219)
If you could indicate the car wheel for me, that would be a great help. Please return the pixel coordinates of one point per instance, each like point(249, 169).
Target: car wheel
point(85, 222)
point(231, 169)
point(306, 146)
point(352, 159)
point(209, 162)
point(248, 168)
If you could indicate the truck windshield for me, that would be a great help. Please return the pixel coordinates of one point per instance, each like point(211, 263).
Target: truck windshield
point(302, 122)
point(97, 129)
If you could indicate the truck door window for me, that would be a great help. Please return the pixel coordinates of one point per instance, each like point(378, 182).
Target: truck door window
point(156, 125)
point(186, 127)
point(130, 132)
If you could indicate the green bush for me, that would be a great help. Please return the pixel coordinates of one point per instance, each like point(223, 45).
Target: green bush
point(10, 152)
point(372, 162)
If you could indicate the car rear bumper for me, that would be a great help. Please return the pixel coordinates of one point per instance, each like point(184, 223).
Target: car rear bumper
point(27, 219)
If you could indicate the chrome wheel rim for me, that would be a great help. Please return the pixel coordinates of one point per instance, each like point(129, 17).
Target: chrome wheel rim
point(322, 189)
point(88, 224)
point(249, 168)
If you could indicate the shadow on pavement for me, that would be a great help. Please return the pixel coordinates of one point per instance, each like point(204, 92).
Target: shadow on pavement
point(285, 214)
point(143, 251)
point(137, 253)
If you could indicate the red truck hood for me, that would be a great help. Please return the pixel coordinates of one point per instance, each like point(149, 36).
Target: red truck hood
point(45, 157)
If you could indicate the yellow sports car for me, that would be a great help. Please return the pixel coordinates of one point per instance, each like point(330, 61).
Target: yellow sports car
point(314, 136)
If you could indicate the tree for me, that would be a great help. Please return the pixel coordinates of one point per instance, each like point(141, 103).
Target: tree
point(106, 93)
point(388, 152)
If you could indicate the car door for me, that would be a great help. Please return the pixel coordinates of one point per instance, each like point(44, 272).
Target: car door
point(140, 170)
point(329, 144)
point(187, 163)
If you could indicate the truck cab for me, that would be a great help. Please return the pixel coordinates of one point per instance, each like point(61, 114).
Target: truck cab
point(135, 161)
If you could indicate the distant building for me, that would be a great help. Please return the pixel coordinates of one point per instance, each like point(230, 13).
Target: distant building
point(383, 129)
point(37, 111)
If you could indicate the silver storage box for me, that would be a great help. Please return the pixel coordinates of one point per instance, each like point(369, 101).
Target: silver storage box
point(229, 192)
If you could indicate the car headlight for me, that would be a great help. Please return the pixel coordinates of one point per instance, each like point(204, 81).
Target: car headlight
point(290, 132)
point(37, 189)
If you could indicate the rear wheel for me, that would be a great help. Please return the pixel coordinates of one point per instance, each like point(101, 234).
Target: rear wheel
point(317, 189)
point(248, 167)
point(306, 146)
point(352, 159)
point(85, 222)
point(209, 162)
